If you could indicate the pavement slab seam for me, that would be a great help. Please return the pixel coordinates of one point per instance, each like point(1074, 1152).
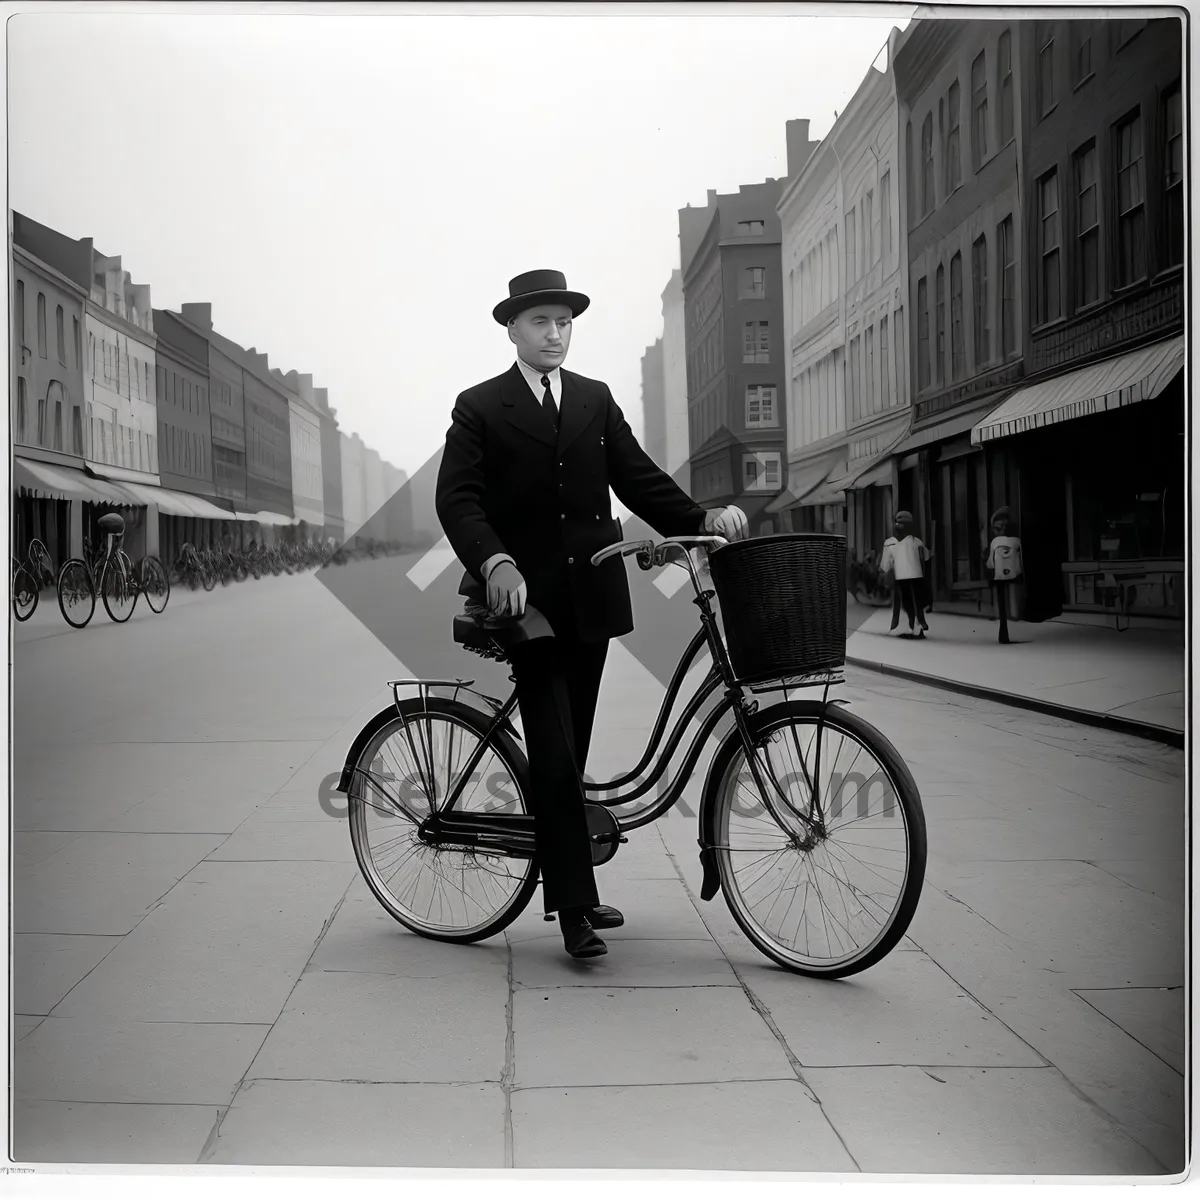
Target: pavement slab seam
point(1078, 992)
point(508, 1075)
point(210, 1143)
point(668, 1083)
point(764, 1013)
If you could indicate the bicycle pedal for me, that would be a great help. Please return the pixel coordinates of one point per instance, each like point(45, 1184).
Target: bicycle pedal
point(549, 917)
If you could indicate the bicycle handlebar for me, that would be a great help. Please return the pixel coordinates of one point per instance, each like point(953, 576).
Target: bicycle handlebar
point(651, 554)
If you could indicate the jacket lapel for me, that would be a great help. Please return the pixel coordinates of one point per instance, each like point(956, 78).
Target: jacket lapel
point(576, 411)
point(522, 410)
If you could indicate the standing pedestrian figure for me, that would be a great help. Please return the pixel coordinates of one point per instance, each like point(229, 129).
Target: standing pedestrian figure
point(1004, 561)
point(905, 556)
point(523, 498)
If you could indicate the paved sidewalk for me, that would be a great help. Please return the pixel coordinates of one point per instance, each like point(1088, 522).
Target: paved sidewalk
point(1137, 675)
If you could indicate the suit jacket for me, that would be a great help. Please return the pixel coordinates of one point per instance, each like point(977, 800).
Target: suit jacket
point(508, 485)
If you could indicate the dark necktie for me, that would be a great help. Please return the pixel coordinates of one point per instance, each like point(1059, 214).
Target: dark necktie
point(548, 402)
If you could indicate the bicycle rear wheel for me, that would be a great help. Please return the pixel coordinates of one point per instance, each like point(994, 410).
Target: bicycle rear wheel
point(117, 590)
point(835, 904)
point(76, 593)
point(442, 893)
point(24, 593)
point(155, 584)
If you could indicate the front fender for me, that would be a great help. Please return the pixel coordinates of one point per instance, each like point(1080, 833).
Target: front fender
point(370, 729)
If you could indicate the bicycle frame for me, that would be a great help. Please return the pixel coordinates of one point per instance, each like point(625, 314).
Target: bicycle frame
point(512, 833)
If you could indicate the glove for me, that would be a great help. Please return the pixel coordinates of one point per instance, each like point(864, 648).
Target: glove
point(729, 523)
point(506, 590)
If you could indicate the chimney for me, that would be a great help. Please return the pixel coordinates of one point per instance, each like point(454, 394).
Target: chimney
point(712, 197)
point(799, 148)
point(198, 314)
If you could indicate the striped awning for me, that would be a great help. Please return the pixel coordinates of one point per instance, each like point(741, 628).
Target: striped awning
point(1101, 387)
point(68, 483)
point(806, 479)
point(178, 504)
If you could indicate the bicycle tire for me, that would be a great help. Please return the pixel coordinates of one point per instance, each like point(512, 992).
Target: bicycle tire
point(506, 751)
point(78, 582)
point(24, 593)
point(719, 792)
point(114, 570)
point(151, 565)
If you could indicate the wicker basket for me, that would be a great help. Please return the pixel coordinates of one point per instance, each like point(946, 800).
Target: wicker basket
point(783, 604)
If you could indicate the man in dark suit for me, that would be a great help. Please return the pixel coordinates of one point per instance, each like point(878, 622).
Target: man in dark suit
point(523, 497)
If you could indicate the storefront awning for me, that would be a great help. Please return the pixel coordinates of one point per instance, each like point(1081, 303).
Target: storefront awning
point(265, 517)
point(178, 504)
point(122, 474)
point(1101, 387)
point(805, 480)
point(68, 483)
point(875, 469)
point(826, 494)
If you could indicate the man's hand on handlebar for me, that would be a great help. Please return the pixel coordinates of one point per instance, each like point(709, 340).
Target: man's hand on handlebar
point(729, 523)
point(506, 592)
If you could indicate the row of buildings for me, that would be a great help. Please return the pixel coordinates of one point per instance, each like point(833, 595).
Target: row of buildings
point(120, 406)
point(969, 294)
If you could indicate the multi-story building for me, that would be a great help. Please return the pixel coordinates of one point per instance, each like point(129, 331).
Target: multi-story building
point(654, 417)
point(959, 97)
point(49, 433)
point(812, 348)
point(374, 490)
point(1097, 430)
point(354, 497)
point(873, 299)
point(733, 314)
point(268, 442)
point(398, 510)
point(331, 466)
point(674, 372)
point(308, 489)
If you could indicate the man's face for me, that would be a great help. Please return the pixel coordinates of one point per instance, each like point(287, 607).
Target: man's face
point(903, 528)
point(542, 335)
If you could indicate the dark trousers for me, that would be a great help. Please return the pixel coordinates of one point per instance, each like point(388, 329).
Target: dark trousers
point(558, 683)
point(1002, 607)
point(909, 593)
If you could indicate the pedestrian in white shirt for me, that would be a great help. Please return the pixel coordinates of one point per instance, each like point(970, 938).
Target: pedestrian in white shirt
point(1004, 562)
point(905, 556)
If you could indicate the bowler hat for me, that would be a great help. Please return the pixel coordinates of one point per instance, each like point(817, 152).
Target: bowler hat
point(538, 287)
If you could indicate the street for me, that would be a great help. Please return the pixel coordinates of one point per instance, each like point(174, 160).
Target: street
point(201, 976)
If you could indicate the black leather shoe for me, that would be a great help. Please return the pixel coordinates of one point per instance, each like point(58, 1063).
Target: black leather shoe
point(579, 938)
point(603, 916)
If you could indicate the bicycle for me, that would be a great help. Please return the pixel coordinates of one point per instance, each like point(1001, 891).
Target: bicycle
point(109, 571)
point(472, 856)
point(29, 578)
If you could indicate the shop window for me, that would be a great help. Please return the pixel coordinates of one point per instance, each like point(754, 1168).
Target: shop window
point(1087, 227)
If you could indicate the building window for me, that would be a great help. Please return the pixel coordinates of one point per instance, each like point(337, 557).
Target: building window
point(41, 327)
point(885, 380)
point(58, 424)
point(851, 246)
point(1173, 163)
point(939, 346)
point(749, 228)
point(78, 344)
point(957, 349)
point(761, 472)
point(756, 342)
point(1087, 225)
point(76, 430)
point(1045, 68)
point(855, 377)
point(754, 283)
point(41, 422)
point(22, 404)
point(869, 367)
point(869, 230)
point(979, 297)
point(927, 166)
point(901, 350)
point(1049, 281)
point(60, 331)
point(1131, 206)
point(923, 334)
point(953, 161)
point(148, 393)
point(1125, 31)
point(760, 406)
point(1008, 284)
point(910, 174)
point(1006, 88)
point(1081, 52)
point(979, 110)
point(20, 313)
point(885, 214)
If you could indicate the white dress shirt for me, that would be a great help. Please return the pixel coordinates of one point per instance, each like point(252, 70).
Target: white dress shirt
point(533, 377)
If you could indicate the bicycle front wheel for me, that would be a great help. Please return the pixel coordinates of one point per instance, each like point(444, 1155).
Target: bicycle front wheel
point(834, 903)
point(24, 594)
point(405, 773)
point(117, 590)
point(76, 593)
point(155, 583)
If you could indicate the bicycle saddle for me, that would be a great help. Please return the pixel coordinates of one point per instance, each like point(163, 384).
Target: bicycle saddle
point(476, 629)
point(111, 523)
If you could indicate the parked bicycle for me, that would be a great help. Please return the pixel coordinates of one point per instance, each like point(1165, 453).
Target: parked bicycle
point(192, 570)
point(30, 578)
point(110, 572)
point(800, 795)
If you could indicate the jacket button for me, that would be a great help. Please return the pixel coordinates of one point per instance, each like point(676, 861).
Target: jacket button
point(570, 560)
point(562, 516)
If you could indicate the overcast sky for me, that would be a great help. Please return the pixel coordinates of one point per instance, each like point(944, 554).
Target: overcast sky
point(353, 191)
